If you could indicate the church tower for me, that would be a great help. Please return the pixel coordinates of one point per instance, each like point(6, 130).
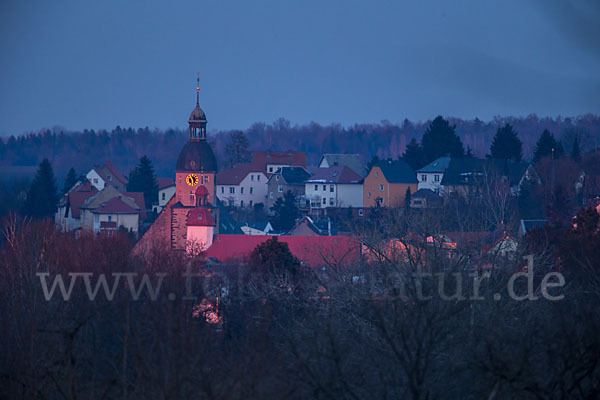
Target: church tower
point(196, 164)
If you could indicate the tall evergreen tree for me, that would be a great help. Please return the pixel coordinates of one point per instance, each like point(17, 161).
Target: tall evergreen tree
point(413, 155)
point(237, 148)
point(142, 179)
point(42, 195)
point(373, 162)
point(285, 211)
point(544, 146)
point(70, 180)
point(506, 144)
point(439, 140)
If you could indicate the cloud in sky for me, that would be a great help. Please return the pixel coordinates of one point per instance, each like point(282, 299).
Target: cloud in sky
point(99, 64)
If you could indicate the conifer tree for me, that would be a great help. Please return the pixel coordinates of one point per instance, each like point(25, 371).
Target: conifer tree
point(544, 146)
point(506, 144)
point(576, 150)
point(42, 195)
point(439, 140)
point(142, 179)
point(413, 155)
point(70, 180)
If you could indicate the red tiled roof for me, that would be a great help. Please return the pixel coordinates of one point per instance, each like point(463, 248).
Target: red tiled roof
point(312, 250)
point(235, 175)
point(200, 217)
point(335, 174)
point(115, 172)
point(138, 198)
point(289, 157)
point(115, 206)
point(165, 182)
point(76, 199)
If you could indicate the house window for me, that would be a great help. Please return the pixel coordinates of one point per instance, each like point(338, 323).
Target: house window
point(191, 196)
point(109, 177)
point(360, 212)
point(230, 203)
point(324, 188)
point(436, 178)
point(280, 189)
point(331, 201)
point(251, 189)
point(258, 178)
point(271, 195)
point(270, 169)
point(324, 201)
point(222, 189)
point(423, 178)
point(242, 190)
point(331, 188)
point(316, 187)
point(369, 195)
point(232, 190)
point(377, 173)
point(95, 180)
point(206, 179)
point(250, 203)
point(251, 177)
point(381, 187)
point(242, 203)
point(110, 218)
point(164, 195)
point(276, 177)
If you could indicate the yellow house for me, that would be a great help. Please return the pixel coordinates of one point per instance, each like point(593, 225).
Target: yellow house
point(387, 182)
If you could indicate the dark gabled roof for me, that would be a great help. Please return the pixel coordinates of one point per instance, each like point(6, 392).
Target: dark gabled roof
point(424, 194)
point(397, 171)
point(165, 182)
point(262, 158)
point(464, 171)
point(352, 161)
point(235, 175)
point(294, 175)
point(438, 165)
point(338, 174)
point(115, 206)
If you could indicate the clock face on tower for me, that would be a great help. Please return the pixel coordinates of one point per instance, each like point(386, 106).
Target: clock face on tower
point(192, 179)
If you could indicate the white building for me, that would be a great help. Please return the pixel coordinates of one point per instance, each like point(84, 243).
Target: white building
point(336, 186)
point(430, 176)
point(99, 177)
point(242, 186)
point(166, 190)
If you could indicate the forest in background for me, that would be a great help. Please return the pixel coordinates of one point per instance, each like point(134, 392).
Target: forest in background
point(125, 146)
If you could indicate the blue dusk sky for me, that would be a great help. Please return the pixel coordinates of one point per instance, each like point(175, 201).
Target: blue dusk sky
point(98, 64)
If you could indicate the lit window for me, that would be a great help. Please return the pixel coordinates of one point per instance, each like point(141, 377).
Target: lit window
point(423, 178)
point(331, 188)
point(381, 187)
point(280, 189)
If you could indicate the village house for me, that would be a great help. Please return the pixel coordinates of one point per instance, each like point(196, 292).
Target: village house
point(284, 179)
point(430, 176)
point(166, 190)
point(387, 183)
point(352, 161)
point(270, 161)
point(108, 174)
point(336, 186)
point(244, 185)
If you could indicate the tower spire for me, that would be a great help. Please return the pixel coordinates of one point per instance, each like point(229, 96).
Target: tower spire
point(198, 90)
